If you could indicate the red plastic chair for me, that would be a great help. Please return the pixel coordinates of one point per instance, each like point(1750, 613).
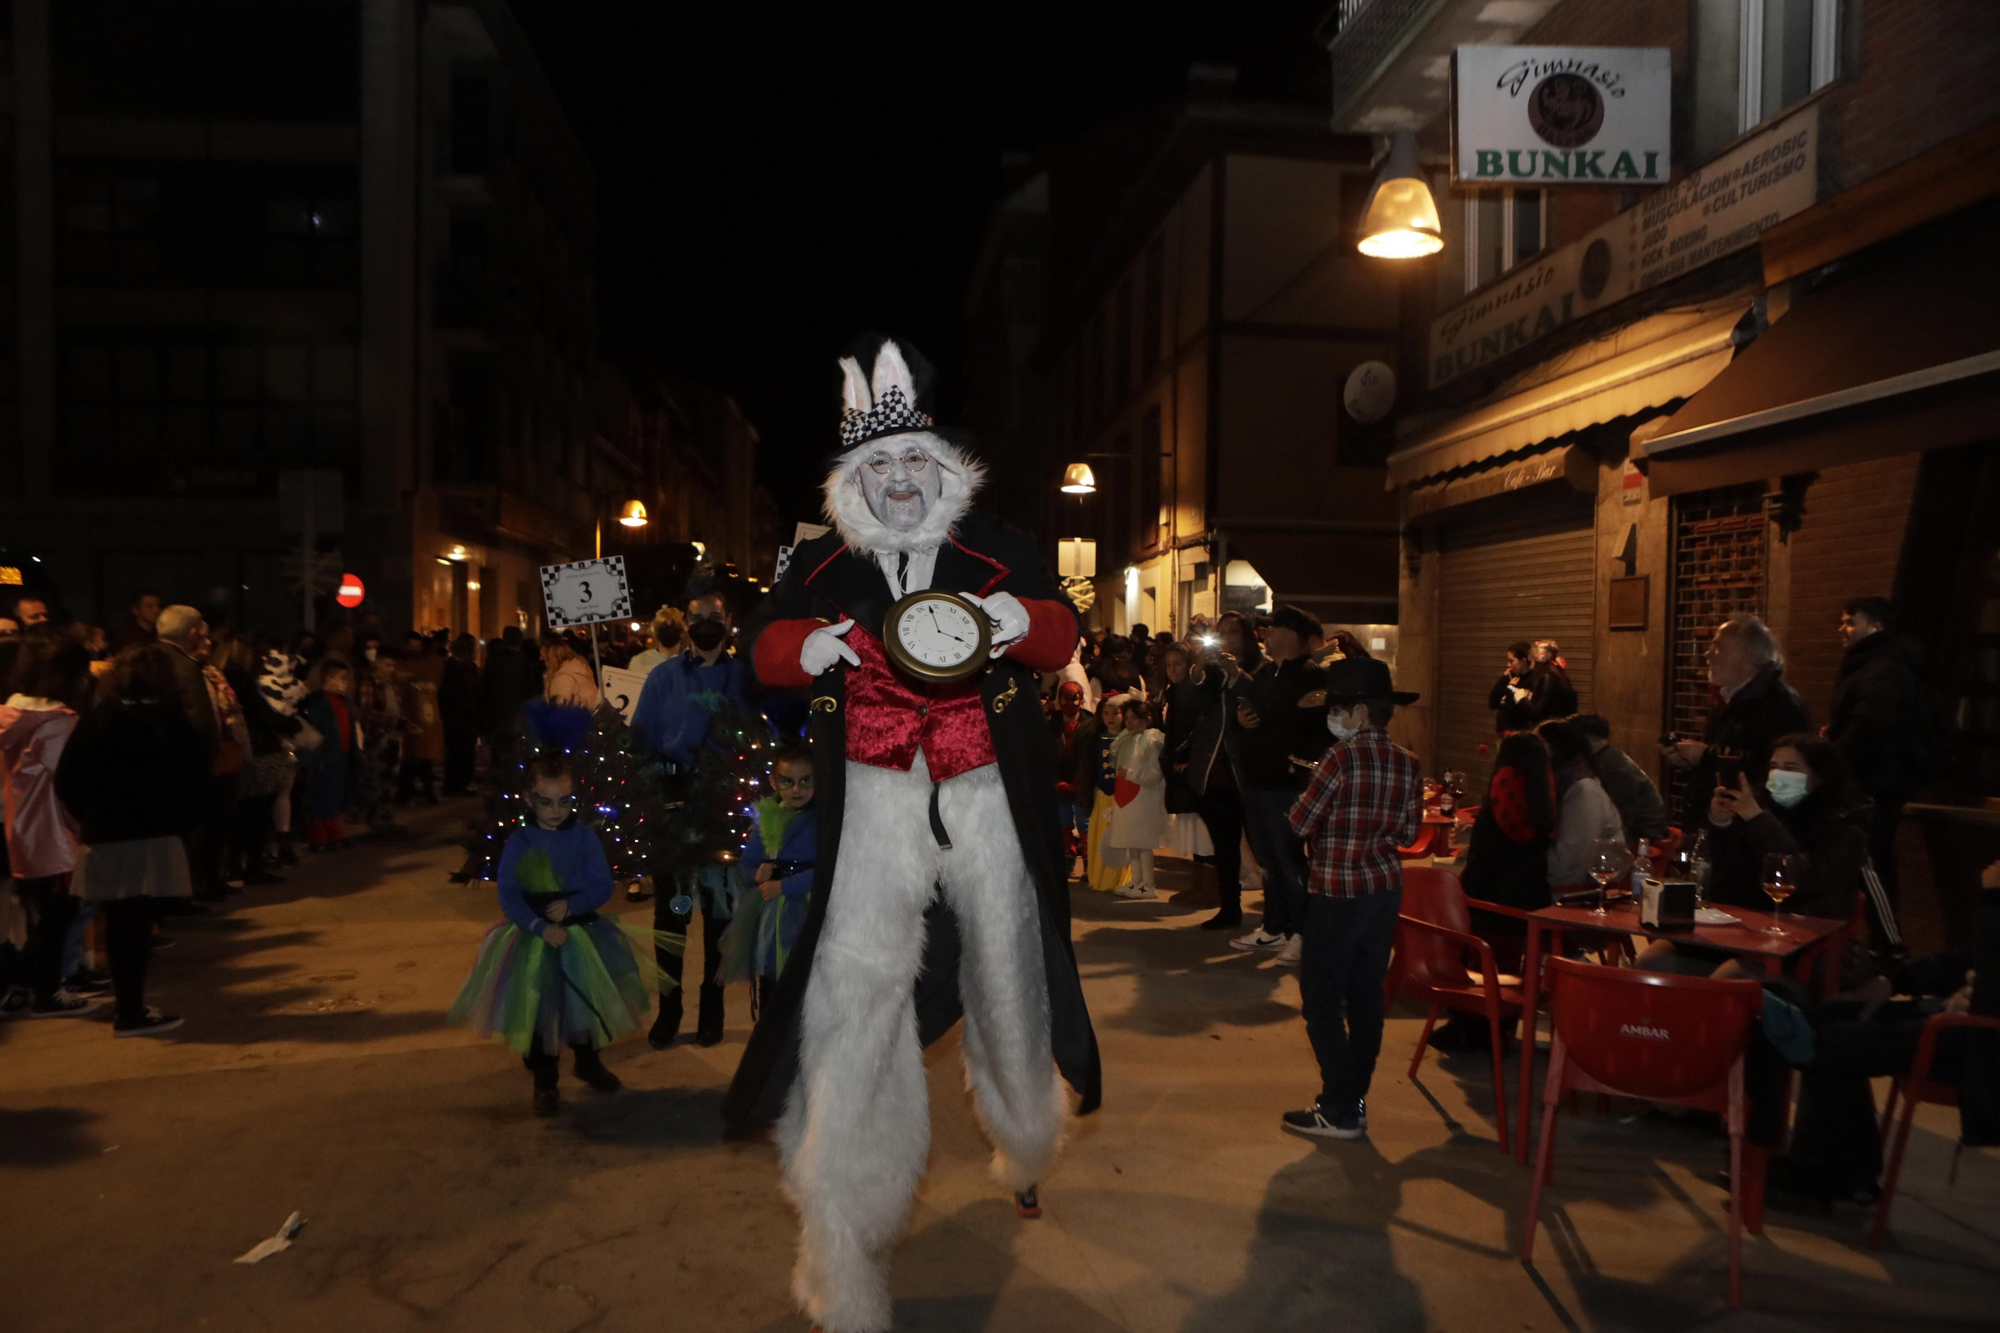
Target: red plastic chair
point(1425, 845)
point(1655, 1036)
point(1914, 1087)
point(1432, 936)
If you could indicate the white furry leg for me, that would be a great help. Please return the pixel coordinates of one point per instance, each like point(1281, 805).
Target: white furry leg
point(1008, 1064)
point(856, 1128)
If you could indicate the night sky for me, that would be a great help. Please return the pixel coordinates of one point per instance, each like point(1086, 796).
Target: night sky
point(774, 179)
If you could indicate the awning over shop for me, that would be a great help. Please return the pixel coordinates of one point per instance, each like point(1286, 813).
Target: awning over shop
point(1646, 364)
point(1901, 356)
point(1337, 573)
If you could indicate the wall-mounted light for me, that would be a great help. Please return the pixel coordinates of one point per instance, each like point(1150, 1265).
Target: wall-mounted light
point(633, 515)
point(700, 549)
point(1078, 480)
point(1400, 220)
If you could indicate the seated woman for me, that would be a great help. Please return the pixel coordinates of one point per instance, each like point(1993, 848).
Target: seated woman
point(1584, 813)
point(1507, 861)
point(1809, 808)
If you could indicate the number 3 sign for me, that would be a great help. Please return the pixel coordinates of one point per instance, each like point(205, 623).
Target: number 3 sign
point(584, 592)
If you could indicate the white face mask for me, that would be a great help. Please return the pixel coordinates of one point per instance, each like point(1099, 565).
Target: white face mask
point(1786, 787)
point(1337, 724)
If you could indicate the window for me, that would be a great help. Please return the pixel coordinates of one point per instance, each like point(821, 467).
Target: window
point(471, 123)
point(193, 413)
point(1755, 58)
point(110, 227)
point(1121, 342)
point(1149, 317)
point(1151, 464)
point(1502, 228)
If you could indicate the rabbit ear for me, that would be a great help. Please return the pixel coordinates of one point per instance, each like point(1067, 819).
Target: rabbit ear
point(854, 395)
point(892, 372)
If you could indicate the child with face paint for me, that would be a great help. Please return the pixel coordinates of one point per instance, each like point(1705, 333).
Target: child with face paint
point(778, 858)
point(554, 973)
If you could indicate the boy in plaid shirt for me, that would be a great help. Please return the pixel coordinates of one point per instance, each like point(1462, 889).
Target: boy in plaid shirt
point(1366, 799)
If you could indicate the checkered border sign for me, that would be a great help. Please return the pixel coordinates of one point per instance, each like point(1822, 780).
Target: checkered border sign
point(562, 613)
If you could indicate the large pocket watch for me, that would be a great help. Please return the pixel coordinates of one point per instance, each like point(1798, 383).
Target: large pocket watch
point(937, 636)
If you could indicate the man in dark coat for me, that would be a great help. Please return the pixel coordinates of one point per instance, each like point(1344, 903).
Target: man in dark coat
point(1877, 724)
point(1753, 708)
point(938, 891)
point(1074, 731)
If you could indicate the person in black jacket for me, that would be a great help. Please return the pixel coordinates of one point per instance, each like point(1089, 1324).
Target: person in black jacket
point(1209, 776)
point(1549, 690)
point(1877, 723)
point(1512, 687)
point(1272, 715)
point(458, 702)
point(268, 767)
point(134, 776)
point(1753, 708)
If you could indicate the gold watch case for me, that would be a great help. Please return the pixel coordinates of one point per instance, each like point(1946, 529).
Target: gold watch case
point(906, 659)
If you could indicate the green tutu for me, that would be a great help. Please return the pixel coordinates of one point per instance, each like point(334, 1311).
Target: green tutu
point(590, 991)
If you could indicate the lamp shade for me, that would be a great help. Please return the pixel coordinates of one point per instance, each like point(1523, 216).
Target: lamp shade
point(1401, 219)
point(1078, 480)
point(633, 514)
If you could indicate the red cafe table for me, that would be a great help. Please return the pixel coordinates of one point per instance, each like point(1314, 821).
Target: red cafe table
point(1806, 938)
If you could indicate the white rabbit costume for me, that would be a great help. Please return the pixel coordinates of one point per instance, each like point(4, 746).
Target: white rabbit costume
point(939, 888)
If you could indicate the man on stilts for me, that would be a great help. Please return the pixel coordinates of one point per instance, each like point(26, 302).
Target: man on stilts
point(939, 888)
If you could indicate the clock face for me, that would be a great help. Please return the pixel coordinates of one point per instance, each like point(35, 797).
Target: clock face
point(938, 633)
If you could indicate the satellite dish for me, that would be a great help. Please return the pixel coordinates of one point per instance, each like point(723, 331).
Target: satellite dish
point(1370, 392)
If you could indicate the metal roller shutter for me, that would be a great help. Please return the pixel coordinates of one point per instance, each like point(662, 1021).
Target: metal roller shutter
point(1527, 573)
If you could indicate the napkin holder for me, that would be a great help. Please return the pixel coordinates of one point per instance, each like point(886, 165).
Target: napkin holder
point(1667, 904)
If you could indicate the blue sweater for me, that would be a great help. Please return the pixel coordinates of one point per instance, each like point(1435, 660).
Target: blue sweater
point(678, 701)
point(801, 844)
point(574, 855)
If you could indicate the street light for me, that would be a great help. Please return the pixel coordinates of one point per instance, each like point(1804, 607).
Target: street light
point(1401, 219)
point(631, 514)
point(1079, 480)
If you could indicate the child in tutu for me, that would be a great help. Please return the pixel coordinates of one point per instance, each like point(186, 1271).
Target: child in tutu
point(778, 858)
point(555, 973)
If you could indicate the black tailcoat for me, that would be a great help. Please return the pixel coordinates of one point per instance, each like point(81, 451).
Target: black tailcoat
point(826, 580)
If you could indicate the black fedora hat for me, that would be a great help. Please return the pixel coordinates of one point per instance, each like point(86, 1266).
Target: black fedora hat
point(1352, 679)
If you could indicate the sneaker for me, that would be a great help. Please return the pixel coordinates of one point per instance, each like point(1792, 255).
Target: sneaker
point(1137, 893)
point(64, 1005)
point(1257, 940)
point(85, 981)
point(287, 854)
point(1315, 1123)
point(1223, 921)
point(547, 1100)
point(16, 1000)
point(153, 1024)
point(1289, 955)
point(1027, 1203)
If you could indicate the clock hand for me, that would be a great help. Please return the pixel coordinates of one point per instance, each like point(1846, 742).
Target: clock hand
point(940, 628)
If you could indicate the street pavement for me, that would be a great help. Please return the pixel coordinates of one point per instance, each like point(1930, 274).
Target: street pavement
point(316, 1073)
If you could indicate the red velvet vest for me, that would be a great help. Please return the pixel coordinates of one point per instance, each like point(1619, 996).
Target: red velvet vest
point(889, 716)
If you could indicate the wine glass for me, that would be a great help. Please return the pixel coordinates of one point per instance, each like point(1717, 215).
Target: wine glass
point(1781, 876)
point(1608, 860)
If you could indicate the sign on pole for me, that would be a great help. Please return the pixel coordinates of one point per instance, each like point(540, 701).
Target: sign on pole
point(585, 592)
point(1561, 115)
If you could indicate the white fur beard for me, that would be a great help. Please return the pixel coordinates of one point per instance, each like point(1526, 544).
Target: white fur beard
point(846, 501)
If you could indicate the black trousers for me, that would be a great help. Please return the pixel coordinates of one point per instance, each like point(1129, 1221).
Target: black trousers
point(1343, 961)
point(208, 845)
point(128, 944)
point(1222, 811)
point(1882, 825)
point(413, 772)
point(461, 753)
point(545, 1065)
point(49, 899)
point(251, 833)
point(665, 918)
point(1836, 1142)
